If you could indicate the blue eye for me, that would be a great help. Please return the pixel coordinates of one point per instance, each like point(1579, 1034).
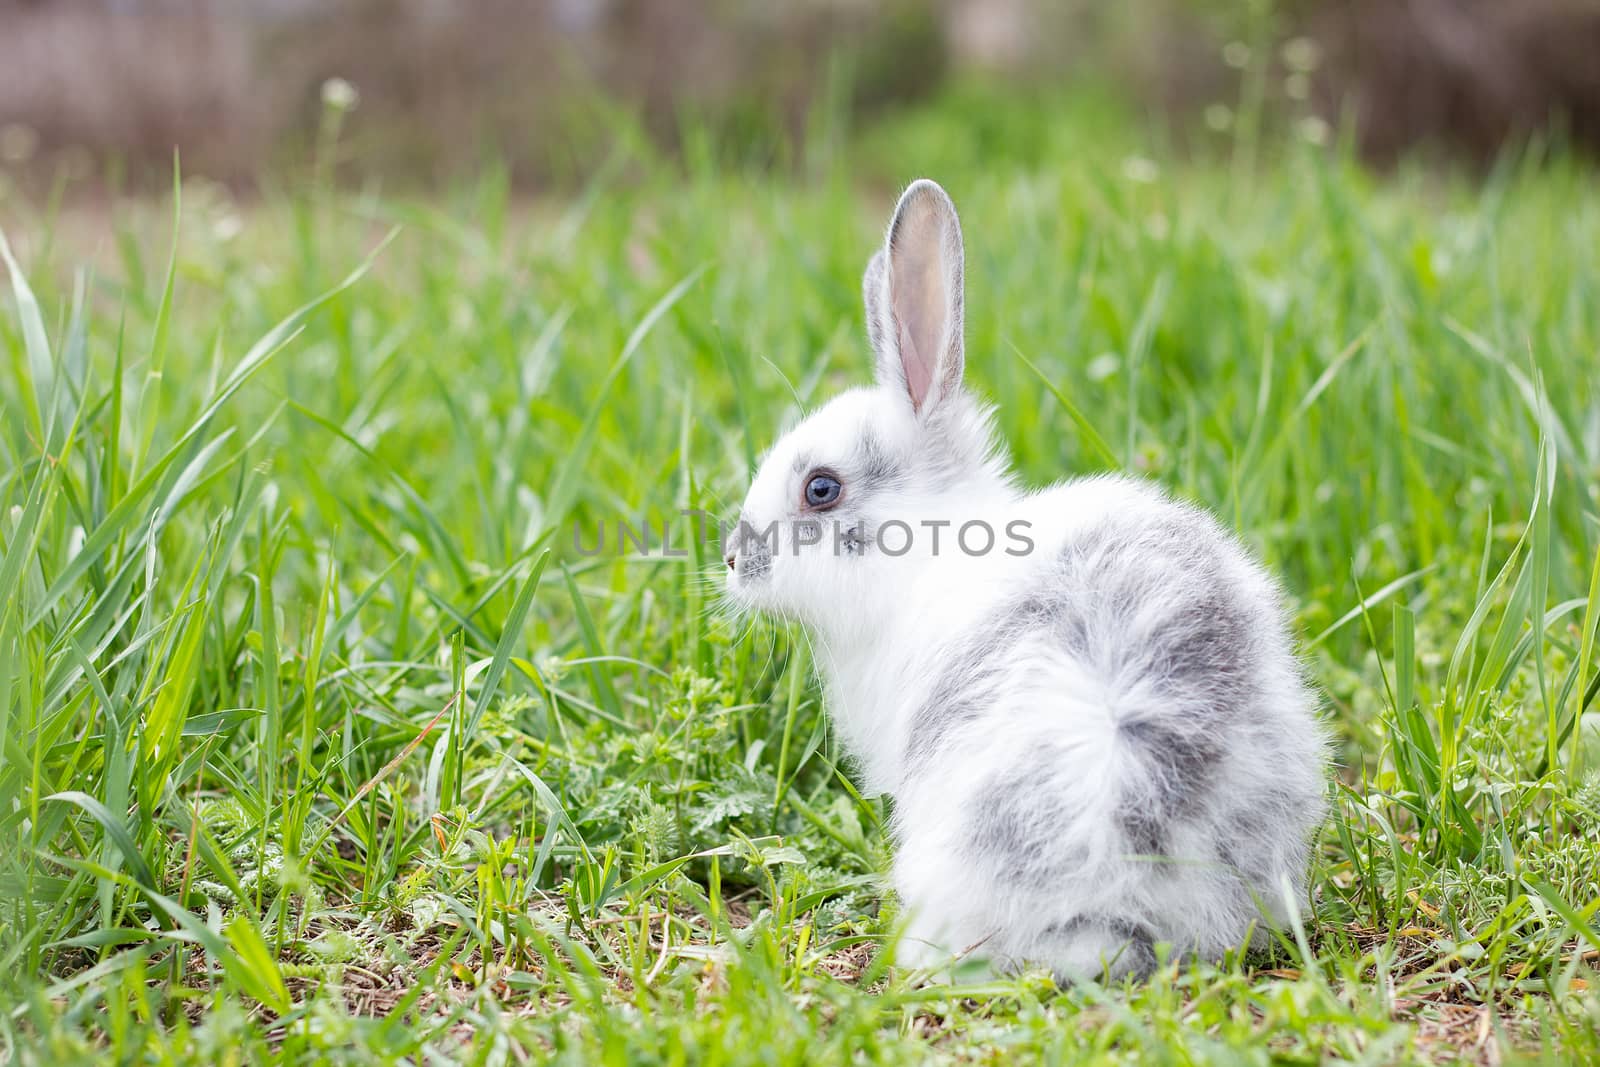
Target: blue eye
point(822, 490)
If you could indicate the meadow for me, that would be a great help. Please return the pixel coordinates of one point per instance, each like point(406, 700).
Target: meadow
point(321, 740)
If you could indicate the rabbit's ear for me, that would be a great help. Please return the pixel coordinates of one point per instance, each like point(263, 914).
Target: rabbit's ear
point(914, 301)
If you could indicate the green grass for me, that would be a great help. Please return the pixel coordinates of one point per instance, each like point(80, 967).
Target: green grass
point(320, 740)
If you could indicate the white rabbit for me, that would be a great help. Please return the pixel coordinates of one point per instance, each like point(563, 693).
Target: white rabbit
point(1083, 700)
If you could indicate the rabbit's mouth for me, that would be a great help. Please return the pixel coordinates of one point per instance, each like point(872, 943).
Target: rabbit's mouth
point(753, 565)
point(748, 555)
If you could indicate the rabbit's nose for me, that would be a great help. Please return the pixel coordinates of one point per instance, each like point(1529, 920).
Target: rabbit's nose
point(730, 559)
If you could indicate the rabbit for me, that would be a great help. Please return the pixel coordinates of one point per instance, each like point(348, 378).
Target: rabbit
point(1084, 701)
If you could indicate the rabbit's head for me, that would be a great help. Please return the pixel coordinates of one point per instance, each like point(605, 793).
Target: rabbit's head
point(858, 489)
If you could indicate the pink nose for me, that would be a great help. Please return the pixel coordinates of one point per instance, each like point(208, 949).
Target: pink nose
point(729, 559)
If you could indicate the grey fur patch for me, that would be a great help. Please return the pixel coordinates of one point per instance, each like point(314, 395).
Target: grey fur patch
point(959, 695)
point(1011, 830)
point(1125, 928)
point(971, 678)
point(1206, 653)
point(1177, 765)
point(879, 468)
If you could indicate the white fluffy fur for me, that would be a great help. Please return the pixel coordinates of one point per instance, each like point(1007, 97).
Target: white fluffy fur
point(1093, 747)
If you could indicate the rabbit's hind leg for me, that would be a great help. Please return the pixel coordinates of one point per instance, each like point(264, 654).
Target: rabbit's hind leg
point(1091, 947)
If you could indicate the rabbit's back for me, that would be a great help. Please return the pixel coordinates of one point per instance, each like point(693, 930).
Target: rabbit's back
point(1127, 739)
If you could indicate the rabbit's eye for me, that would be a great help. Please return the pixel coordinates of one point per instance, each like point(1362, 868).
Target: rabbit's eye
point(822, 490)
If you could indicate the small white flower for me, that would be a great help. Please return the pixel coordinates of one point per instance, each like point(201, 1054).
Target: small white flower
point(339, 95)
point(1313, 130)
point(1302, 54)
point(1103, 366)
point(227, 226)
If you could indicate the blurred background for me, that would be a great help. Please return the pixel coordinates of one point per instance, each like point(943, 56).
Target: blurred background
point(425, 91)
